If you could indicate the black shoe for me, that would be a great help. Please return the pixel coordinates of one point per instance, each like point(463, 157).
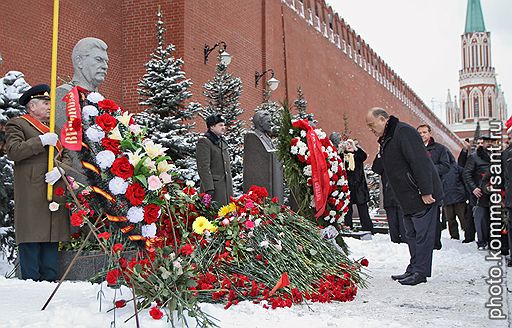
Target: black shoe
point(509, 263)
point(413, 280)
point(438, 247)
point(455, 238)
point(467, 241)
point(402, 276)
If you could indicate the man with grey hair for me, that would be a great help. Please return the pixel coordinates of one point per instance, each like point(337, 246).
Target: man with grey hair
point(417, 186)
point(90, 65)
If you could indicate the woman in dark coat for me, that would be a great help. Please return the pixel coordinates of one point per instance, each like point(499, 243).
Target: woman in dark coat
point(354, 158)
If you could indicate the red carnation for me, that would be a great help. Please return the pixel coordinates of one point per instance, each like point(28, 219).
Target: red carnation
point(120, 304)
point(76, 220)
point(364, 262)
point(187, 249)
point(275, 200)
point(76, 124)
point(122, 168)
point(108, 105)
point(151, 213)
point(344, 188)
point(135, 194)
point(104, 235)
point(59, 191)
point(106, 121)
point(112, 276)
point(111, 144)
point(117, 248)
point(156, 313)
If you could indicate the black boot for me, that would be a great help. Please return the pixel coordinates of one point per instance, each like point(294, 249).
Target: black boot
point(402, 276)
point(413, 280)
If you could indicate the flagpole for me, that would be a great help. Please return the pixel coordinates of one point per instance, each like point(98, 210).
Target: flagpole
point(53, 88)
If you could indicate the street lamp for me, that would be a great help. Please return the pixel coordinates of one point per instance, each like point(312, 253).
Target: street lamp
point(272, 83)
point(225, 58)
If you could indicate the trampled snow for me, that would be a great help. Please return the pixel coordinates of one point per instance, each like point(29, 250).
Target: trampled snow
point(455, 296)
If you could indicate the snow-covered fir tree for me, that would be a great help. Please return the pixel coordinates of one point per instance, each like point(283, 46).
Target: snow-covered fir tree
point(301, 104)
point(223, 97)
point(12, 86)
point(273, 108)
point(164, 92)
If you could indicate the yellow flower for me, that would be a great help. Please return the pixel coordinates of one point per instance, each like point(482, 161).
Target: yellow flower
point(164, 166)
point(224, 210)
point(201, 224)
point(115, 134)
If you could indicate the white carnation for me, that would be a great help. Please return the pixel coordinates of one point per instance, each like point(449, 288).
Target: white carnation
point(88, 112)
point(332, 213)
point(105, 158)
point(307, 170)
point(149, 230)
point(118, 186)
point(95, 97)
point(135, 214)
point(335, 193)
point(95, 133)
point(290, 131)
point(303, 134)
point(294, 150)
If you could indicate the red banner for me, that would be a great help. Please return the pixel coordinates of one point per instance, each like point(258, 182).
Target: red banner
point(320, 175)
point(71, 134)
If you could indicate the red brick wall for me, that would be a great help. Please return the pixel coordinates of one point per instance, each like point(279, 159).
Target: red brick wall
point(27, 35)
point(260, 34)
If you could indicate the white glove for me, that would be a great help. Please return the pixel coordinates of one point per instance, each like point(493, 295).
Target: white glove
point(52, 176)
point(48, 139)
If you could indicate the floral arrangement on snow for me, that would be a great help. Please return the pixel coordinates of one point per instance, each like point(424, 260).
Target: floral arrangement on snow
point(314, 172)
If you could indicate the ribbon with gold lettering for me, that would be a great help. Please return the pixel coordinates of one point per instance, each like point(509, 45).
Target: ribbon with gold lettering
point(71, 133)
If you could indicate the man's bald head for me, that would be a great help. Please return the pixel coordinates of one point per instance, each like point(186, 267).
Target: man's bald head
point(376, 120)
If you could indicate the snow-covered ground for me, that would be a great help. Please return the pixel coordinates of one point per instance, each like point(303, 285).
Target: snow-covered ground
point(453, 297)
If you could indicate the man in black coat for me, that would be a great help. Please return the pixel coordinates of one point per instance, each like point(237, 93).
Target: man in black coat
point(394, 213)
point(477, 166)
point(417, 186)
point(440, 156)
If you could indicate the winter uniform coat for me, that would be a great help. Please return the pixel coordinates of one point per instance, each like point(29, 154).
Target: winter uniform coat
point(409, 169)
point(214, 168)
point(440, 156)
point(34, 222)
point(476, 168)
point(506, 158)
point(357, 185)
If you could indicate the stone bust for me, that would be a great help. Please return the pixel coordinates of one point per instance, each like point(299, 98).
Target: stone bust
point(263, 127)
point(90, 65)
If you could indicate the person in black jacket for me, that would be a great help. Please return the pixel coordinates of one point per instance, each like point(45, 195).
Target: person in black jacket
point(455, 202)
point(440, 156)
point(476, 168)
point(394, 213)
point(417, 186)
point(354, 158)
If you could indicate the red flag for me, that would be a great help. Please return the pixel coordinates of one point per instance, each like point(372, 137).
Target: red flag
point(283, 282)
point(71, 134)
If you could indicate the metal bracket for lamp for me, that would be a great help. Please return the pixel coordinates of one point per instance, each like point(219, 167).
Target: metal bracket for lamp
point(272, 83)
point(225, 58)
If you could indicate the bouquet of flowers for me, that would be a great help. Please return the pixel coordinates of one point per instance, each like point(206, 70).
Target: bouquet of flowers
point(314, 172)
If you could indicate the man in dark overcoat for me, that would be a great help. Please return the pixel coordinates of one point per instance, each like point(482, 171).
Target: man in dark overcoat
point(417, 186)
point(213, 161)
point(440, 156)
point(39, 226)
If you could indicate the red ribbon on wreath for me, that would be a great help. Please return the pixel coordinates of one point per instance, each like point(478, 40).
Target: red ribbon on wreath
point(320, 176)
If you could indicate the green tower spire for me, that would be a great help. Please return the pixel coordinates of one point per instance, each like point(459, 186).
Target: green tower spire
point(474, 17)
